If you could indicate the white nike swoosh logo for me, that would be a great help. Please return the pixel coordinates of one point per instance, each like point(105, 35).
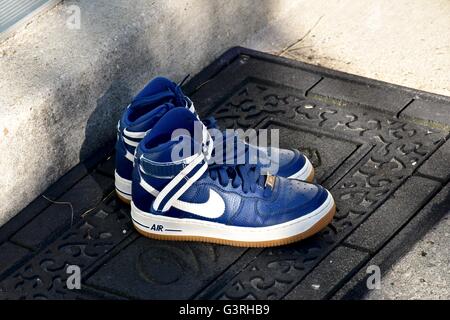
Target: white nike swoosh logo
point(212, 209)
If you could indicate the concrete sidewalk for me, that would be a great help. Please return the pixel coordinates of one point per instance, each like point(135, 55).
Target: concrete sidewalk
point(423, 273)
point(402, 42)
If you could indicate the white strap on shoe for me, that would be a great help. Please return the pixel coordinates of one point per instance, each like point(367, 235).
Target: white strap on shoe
point(135, 135)
point(127, 136)
point(175, 188)
point(192, 168)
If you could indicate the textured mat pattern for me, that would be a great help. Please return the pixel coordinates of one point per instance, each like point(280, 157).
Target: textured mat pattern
point(381, 150)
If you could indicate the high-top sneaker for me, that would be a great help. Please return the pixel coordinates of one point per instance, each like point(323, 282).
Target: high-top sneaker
point(159, 96)
point(181, 195)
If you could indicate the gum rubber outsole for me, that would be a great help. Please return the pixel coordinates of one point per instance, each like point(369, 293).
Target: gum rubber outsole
point(320, 225)
point(310, 178)
point(121, 198)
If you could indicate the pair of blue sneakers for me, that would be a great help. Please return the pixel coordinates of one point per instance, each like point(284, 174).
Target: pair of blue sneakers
point(189, 197)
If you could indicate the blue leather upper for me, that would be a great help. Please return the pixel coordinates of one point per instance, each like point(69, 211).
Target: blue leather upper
point(248, 200)
point(124, 167)
point(158, 97)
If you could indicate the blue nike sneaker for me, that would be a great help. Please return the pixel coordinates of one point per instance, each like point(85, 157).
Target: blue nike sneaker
point(179, 195)
point(158, 97)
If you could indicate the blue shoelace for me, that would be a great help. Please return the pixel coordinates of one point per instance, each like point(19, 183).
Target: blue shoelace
point(247, 175)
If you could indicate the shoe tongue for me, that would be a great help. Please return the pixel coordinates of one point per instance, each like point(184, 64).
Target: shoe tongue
point(235, 150)
point(149, 119)
point(178, 148)
point(184, 147)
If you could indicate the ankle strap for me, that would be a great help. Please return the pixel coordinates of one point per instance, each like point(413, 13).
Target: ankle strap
point(165, 198)
point(183, 173)
point(164, 170)
point(178, 185)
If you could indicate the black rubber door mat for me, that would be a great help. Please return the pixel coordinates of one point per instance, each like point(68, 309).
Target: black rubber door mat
point(381, 150)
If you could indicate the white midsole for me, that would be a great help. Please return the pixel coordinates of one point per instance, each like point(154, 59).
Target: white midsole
point(304, 172)
point(162, 225)
point(123, 186)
